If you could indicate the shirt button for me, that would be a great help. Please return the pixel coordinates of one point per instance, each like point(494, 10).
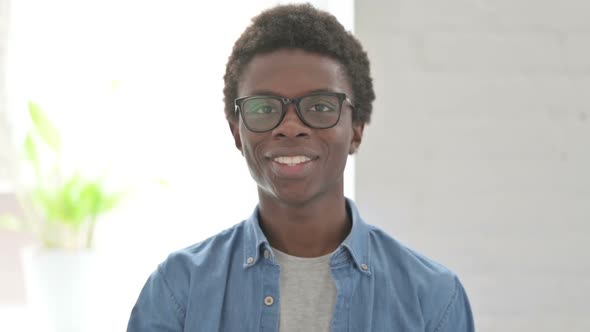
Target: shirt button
point(250, 260)
point(364, 267)
point(269, 300)
point(266, 254)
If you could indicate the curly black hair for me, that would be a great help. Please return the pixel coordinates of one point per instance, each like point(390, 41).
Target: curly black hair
point(307, 28)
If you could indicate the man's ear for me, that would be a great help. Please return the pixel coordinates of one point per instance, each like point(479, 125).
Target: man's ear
point(235, 131)
point(357, 136)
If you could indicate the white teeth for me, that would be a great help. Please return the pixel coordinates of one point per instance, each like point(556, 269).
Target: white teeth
point(291, 161)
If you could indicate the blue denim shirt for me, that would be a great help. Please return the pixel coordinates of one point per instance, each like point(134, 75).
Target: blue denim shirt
point(227, 283)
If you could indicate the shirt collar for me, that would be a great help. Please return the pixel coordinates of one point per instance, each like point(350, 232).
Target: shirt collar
point(253, 239)
point(356, 243)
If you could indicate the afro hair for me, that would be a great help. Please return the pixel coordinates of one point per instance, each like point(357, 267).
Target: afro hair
point(307, 28)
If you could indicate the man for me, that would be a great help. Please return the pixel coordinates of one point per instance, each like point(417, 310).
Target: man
point(298, 94)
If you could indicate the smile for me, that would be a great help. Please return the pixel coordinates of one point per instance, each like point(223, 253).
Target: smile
point(291, 161)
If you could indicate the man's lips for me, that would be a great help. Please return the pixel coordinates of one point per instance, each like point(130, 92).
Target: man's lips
point(292, 163)
point(284, 169)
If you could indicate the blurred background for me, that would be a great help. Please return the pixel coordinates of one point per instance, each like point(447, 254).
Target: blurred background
point(478, 154)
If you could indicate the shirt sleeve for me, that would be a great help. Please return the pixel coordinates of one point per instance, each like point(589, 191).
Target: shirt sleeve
point(457, 316)
point(156, 310)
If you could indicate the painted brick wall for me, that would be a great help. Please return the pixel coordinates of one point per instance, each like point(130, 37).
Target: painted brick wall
point(479, 151)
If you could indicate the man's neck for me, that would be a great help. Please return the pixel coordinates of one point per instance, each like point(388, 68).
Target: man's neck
point(311, 229)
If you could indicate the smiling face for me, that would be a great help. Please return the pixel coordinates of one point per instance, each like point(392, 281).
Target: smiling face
point(294, 163)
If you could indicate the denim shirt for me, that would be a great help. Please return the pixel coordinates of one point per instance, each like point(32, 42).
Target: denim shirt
point(230, 282)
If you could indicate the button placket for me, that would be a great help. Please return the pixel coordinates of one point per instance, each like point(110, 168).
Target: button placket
point(270, 297)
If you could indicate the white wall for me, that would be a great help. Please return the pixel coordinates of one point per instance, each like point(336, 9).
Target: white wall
point(4, 144)
point(479, 150)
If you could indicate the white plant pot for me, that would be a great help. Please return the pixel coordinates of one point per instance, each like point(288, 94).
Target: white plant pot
point(62, 288)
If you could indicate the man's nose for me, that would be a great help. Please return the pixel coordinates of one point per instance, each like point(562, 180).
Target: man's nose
point(291, 125)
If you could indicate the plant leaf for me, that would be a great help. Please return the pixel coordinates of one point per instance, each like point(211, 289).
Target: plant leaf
point(47, 201)
point(97, 200)
point(46, 129)
point(109, 202)
point(31, 151)
point(73, 210)
point(90, 198)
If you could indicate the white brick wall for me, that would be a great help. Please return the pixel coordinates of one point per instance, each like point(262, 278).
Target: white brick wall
point(479, 150)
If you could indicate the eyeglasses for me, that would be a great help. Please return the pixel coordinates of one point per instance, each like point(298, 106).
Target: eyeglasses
point(320, 110)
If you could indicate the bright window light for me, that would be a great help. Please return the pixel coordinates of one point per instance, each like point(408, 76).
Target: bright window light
point(136, 89)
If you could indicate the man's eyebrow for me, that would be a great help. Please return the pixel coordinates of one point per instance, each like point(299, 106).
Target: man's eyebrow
point(263, 93)
point(272, 93)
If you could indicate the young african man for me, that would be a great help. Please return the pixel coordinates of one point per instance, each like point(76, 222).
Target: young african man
point(298, 94)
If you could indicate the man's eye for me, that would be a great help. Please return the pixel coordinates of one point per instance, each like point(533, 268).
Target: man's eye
point(321, 108)
point(264, 109)
point(261, 109)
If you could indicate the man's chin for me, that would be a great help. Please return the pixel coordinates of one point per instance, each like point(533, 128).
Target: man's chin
point(289, 197)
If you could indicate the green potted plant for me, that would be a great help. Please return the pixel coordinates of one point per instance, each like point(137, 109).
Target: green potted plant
point(61, 209)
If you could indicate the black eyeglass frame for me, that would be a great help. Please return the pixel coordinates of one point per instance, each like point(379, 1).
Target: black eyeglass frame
point(238, 102)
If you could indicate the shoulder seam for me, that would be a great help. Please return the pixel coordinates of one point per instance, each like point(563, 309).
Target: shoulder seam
point(179, 309)
point(445, 316)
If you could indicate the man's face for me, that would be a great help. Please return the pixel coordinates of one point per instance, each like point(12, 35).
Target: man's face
point(275, 157)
